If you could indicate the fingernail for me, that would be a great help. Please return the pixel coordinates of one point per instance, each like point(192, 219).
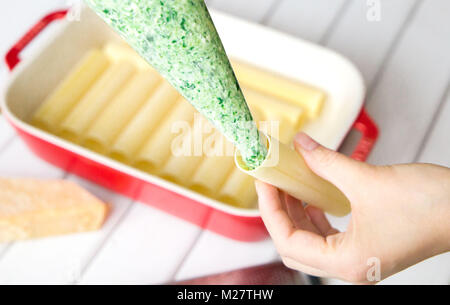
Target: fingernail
point(305, 141)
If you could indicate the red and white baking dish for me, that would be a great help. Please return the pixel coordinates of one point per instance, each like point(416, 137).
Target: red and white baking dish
point(35, 77)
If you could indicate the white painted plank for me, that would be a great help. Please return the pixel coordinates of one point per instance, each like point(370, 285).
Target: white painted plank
point(253, 10)
point(437, 147)
point(60, 260)
point(144, 249)
point(209, 2)
point(4, 248)
point(18, 16)
point(215, 254)
point(434, 271)
point(406, 99)
point(366, 42)
point(412, 85)
point(18, 161)
point(404, 103)
point(6, 137)
point(305, 19)
point(6, 133)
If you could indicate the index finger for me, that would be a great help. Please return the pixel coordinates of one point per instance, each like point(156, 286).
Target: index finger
point(306, 247)
point(275, 217)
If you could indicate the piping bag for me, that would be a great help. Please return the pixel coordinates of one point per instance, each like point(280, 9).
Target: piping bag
point(179, 39)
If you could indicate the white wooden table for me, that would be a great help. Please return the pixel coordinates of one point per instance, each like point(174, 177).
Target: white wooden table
point(405, 60)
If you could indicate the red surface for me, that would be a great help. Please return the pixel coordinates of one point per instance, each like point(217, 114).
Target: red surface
point(232, 226)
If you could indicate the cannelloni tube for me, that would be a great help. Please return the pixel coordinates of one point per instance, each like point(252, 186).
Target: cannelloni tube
point(274, 108)
point(180, 168)
point(289, 117)
point(120, 111)
point(139, 129)
point(157, 150)
point(211, 174)
point(70, 91)
point(287, 170)
point(122, 52)
point(239, 190)
point(97, 98)
point(213, 171)
point(311, 99)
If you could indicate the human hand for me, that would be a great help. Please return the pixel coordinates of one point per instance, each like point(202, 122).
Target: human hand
point(400, 216)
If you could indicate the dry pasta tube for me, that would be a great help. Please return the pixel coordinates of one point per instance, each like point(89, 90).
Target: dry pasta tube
point(180, 168)
point(286, 169)
point(239, 190)
point(212, 174)
point(279, 130)
point(122, 52)
point(275, 108)
point(188, 153)
point(157, 149)
point(257, 114)
point(103, 91)
point(289, 118)
point(310, 98)
point(213, 171)
point(70, 91)
point(120, 111)
point(139, 129)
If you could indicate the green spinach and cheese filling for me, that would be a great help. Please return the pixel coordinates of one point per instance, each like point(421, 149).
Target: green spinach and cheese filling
point(178, 38)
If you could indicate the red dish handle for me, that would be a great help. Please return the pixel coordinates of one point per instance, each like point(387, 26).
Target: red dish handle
point(12, 57)
point(369, 134)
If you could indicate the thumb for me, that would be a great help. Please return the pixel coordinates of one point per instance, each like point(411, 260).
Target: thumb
point(342, 171)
